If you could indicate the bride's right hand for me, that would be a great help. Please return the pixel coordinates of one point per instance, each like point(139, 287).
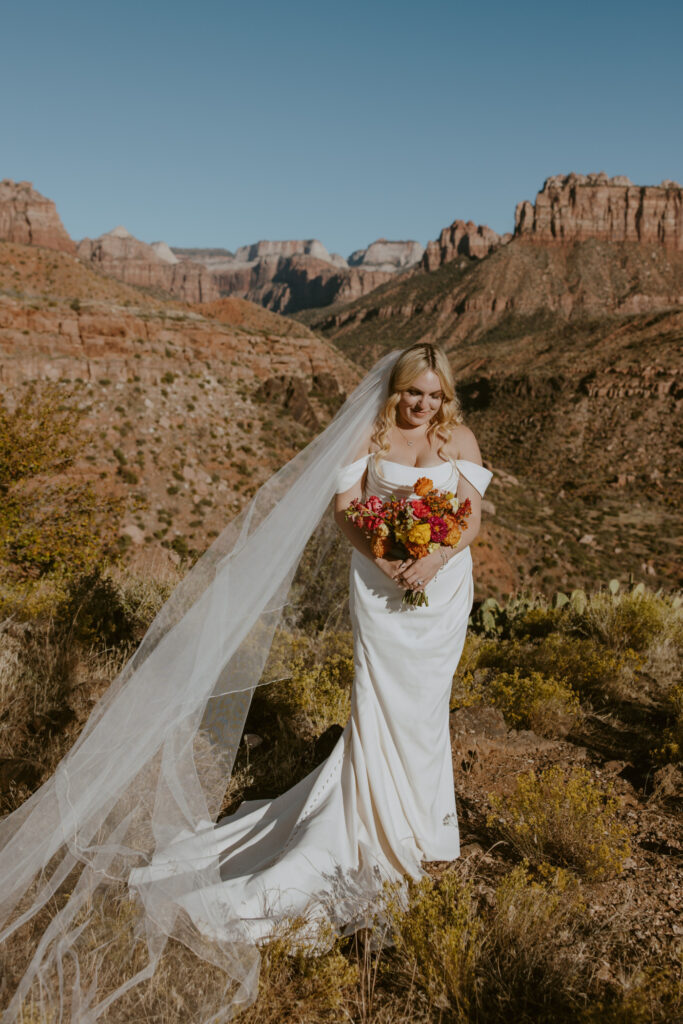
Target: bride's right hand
point(393, 567)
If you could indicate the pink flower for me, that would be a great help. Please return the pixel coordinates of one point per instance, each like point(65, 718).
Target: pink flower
point(439, 529)
point(374, 503)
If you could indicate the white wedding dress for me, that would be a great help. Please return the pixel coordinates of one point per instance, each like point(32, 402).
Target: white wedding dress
point(383, 801)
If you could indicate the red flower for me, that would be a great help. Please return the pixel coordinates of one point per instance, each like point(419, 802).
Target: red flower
point(421, 509)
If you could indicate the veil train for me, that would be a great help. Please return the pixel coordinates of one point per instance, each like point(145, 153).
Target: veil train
point(156, 754)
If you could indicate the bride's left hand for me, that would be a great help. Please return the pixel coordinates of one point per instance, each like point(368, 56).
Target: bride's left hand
point(418, 572)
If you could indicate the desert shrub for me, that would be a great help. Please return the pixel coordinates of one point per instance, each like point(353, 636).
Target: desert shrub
point(63, 640)
point(579, 662)
point(438, 939)
point(38, 676)
point(106, 609)
point(671, 748)
point(652, 995)
point(38, 435)
point(632, 620)
point(534, 701)
point(536, 622)
point(511, 956)
point(566, 820)
point(315, 678)
point(528, 700)
point(290, 979)
point(48, 526)
point(532, 959)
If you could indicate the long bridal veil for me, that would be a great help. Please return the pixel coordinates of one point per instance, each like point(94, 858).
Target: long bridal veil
point(156, 754)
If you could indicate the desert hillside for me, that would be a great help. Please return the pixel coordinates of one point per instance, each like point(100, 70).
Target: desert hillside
point(567, 359)
point(186, 410)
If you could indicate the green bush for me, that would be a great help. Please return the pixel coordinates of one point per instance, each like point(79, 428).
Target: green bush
point(314, 679)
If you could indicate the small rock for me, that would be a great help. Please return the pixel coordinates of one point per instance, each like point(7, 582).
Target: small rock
point(471, 850)
point(251, 740)
point(484, 721)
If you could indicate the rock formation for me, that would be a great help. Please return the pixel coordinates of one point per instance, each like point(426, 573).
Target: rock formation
point(387, 256)
point(310, 247)
point(291, 275)
point(119, 254)
point(462, 238)
point(28, 218)
point(579, 206)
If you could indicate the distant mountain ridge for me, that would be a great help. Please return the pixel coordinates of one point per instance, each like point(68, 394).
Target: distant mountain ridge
point(289, 276)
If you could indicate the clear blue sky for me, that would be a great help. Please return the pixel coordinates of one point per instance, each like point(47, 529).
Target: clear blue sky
point(217, 123)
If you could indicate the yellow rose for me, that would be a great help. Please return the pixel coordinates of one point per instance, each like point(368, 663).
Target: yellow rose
point(420, 533)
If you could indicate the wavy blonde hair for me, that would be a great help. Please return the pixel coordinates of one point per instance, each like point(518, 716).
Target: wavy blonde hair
point(408, 367)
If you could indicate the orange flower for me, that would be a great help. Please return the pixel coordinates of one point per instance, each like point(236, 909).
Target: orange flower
point(380, 546)
point(417, 550)
point(453, 536)
point(423, 486)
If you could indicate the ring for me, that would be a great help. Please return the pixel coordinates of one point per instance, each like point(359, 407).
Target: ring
point(420, 583)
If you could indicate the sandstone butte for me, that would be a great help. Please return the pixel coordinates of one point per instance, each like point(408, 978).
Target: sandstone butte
point(284, 276)
point(462, 238)
point(29, 218)
point(119, 254)
point(576, 207)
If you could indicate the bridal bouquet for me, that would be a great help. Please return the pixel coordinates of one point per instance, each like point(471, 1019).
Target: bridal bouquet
point(411, 527)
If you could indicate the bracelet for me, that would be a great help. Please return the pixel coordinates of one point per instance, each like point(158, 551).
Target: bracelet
point(443, 556)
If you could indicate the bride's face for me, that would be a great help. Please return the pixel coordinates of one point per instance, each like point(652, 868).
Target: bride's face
point(421, 401)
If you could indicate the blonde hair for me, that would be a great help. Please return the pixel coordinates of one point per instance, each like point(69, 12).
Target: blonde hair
point(408, 367)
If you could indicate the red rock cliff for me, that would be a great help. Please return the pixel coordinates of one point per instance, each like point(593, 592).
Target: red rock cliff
point(579, 206)
point(462, 238)
point(119, 254)
point(28, 218)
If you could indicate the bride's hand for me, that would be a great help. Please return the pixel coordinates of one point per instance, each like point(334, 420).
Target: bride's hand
point(418, 572)
point(392, 567)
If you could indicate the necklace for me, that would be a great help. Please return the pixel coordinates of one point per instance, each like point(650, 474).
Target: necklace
point(409, 443)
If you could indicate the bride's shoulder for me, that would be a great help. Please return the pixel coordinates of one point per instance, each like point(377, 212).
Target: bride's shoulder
point(463, 444)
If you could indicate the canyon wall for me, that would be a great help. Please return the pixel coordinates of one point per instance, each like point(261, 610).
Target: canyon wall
point(28, 218)
point(118, 254)
point(575, 207)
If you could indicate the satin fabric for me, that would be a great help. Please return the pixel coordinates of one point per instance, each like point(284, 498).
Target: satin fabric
point(383, 801)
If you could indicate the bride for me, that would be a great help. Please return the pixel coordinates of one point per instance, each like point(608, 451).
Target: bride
point(132, 807)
